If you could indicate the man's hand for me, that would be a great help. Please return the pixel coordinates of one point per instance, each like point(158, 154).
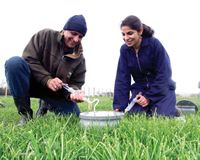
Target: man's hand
point(77, 96)
point(54, 84)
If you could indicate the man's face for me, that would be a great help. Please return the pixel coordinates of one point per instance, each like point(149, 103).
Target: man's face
point(72, 38)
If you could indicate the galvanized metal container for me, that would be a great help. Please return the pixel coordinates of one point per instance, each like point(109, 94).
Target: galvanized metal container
point(100, 118)
point(186, 106)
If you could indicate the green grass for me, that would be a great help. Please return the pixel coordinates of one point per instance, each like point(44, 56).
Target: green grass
point(136, 137)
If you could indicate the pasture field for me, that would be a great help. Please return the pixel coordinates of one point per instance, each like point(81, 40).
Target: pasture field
point(134, 138)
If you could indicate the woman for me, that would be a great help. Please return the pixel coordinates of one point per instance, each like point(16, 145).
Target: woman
point(143, 58)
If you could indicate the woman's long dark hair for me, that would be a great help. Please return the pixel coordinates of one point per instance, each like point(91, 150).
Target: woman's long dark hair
point(134, 23)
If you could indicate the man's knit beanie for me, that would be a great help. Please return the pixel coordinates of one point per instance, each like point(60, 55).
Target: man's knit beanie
point(76, 23)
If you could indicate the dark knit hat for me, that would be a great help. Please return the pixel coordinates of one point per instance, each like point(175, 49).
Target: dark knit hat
point(76, 23)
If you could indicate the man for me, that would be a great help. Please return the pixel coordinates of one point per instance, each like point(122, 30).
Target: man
point(49, 60)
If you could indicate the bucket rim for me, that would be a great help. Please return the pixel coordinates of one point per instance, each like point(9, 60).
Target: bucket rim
point(101, 115)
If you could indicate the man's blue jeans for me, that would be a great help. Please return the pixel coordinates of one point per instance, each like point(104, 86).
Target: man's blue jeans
point(22, 85)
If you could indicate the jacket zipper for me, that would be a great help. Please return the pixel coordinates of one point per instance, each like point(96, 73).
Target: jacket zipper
point(140, 68)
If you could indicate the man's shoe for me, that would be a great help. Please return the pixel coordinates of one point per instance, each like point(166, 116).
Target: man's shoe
point(43, 108)
point(41, 111)
point(24, 119)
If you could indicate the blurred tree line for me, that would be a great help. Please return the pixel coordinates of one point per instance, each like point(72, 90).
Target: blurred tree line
point(4, 90)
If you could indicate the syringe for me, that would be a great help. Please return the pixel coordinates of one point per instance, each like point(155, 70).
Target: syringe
point(71, 90)
point(128, 108)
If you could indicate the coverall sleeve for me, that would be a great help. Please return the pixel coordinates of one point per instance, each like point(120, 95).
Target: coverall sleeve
point(160, 86)
point(122, 83)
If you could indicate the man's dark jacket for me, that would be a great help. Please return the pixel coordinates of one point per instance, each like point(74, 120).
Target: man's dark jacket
point(46, 58)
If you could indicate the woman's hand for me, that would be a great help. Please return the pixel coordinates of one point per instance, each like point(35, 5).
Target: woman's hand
point(117, 110)
point(54, 84)
point(143, 101)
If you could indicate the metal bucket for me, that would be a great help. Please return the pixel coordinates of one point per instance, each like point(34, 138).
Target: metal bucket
point(186, 106)
point(100, 118)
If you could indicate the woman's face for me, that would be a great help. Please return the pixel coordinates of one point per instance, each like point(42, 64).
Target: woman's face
point(131, 37)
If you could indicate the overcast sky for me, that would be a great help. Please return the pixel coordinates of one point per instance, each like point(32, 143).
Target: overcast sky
point(176, 24)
